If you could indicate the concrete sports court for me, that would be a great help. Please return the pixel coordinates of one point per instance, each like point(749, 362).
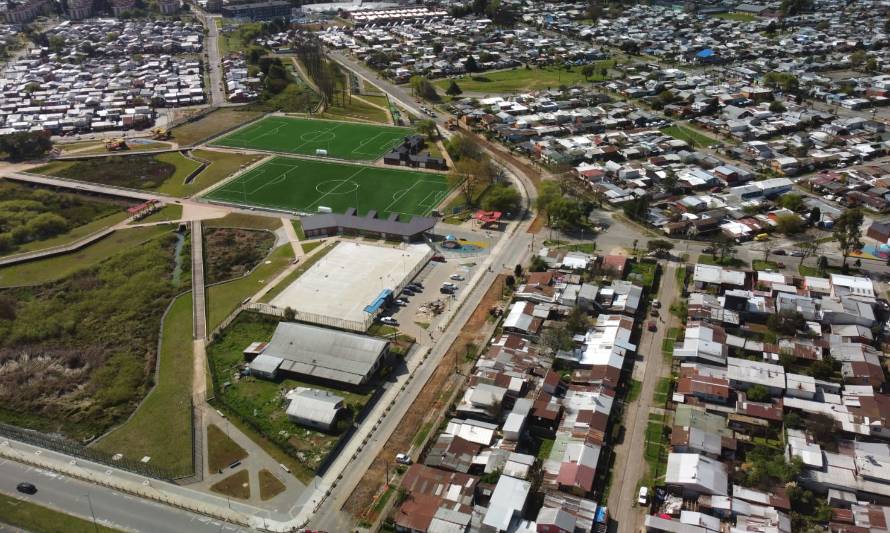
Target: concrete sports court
point(336, 290)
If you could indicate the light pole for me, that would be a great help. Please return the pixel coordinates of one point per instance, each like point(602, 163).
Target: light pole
point(92, 513)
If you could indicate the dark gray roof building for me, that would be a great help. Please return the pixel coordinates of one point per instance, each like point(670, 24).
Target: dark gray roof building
point(325, 224)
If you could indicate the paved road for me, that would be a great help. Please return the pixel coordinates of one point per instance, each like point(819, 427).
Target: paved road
point(211, 46)
point(629, 464)
point(112, 509)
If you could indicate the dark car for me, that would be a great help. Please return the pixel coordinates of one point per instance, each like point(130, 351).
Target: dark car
point(652, 326)
point(25, 487)
point(779, 252)
point(446, 290)
point(438, 258)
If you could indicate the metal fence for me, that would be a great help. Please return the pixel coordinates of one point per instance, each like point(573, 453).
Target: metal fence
point(313, 318)
point(63, 445)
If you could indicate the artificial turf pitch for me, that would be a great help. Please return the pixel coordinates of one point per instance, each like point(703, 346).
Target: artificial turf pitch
point(341, 140)
point(302, 185)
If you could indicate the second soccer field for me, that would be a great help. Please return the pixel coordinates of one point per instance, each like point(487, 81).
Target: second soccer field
point(342, 140)
point(302, 185)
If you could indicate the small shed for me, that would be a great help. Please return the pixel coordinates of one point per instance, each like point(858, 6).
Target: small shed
point(313, 408)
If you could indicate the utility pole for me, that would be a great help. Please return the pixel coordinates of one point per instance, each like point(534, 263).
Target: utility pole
point(92, 513)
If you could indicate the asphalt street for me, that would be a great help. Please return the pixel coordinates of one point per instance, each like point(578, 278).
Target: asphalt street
point(111, 508)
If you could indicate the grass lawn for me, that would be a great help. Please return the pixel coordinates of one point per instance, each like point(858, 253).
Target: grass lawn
point(643, 273)
point(545, 448)
point(693, 137)
point(298, 229)
point(309, 246)
point(240, 220)
point(290, 278)
point(222, 165)
point(739, 17)
point(260, 401)
point(161, 428)
point(222, 299)
point(521, 79)
point(59, 266)
point(759, 264)
point(806, 270)
point(237, 485)
point(708, 259)
point(270, 486)
point(221, 450)
point(234, 39)
point(38, 519)
point(75, 234)
point(168, 212)
point(633, 390)
point(381, 501)
point(304, 185)
point(211, 124)
point(343, 140)
point(357, 109)
point(662, 390)
point(175, 185)
point(421, 435)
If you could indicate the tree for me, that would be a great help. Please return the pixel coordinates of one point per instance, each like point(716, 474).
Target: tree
point(727, 248)
point(636, 209)
point(587, 71)
point(548, 194)
point(815, 216)
point(464, 175)
point(557, 338)
point(462, 146)
point(789, 224)
point(470, 65)
point(782, 80)
point(806, 249)
point(659, 245)
point(428, 128)
point(453, 89)
point(871, 65)
point(517, 271)
point(822, 264)
point(758, 393)
point(537, 264)
point(502, 197)
point(857, 58)
point(424, 89)
point(290, 314)
point(786, 322)
point(25, 145)
point(847, 231)
point(792, 202)
point(577, 321)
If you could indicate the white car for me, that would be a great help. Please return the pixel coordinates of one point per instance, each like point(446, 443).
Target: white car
point(643, 497)
point(403, 459)
point(389, 320)
point(401, 302)
point(457, 277)
point(449, 285)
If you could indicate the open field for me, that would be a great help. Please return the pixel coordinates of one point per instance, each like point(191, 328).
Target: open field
point(301, 185)
point(270, 486)
point(168, 212)
point(222, 165)
point(33, 218)
point(59, 266)
point(222, 299)
point(78, 355)
point(233, 252)
point(343, 140)
point(161, 428)
point(241, 220)
point(522, 79)
point(38, 519)
point(260, 403)
point(689, 135)
point(211, 124)
point(357, 109)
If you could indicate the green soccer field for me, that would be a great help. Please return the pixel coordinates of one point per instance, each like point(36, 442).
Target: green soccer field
point(341, 140)
point(302, 185)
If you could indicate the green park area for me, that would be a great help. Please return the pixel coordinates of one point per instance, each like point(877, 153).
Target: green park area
point(303, 185)
point(164, 173)
point(342, 140)
point(259, 404)
point(38, 519)
point(35, 218)
point(691, 136)
point(522, 79)
point(210, 124)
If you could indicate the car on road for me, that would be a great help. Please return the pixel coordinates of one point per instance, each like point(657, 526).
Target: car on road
point(408, 291)
point(415, 287)
point(456, 277)
point(656, 304)
point(26, 488)
point(403, 459)
point(652, 326)
point(449, 285)
point(388, 320)
point(438, 258)
point(654, 313)
point(446, 290)
point(416, 284)
point(401, 302)
point(643, 496)
point(796, 253)
point(779, 252)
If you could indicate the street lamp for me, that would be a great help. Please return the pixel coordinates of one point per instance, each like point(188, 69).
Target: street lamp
point(92, 513)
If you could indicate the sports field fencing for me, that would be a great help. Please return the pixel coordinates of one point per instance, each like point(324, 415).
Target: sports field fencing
point(313, 318)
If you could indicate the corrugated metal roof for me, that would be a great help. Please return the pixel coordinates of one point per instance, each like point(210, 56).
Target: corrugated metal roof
point(416, 225)
point(325, 353)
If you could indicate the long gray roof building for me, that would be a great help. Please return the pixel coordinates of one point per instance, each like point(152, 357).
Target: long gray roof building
point(326, 353)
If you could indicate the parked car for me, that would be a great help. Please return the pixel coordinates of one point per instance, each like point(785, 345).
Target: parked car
point(408, 291)
point(457, 277)
point(416, 284)
point(401, 302)
point(656, 304)
point(446, 290)
point(26, 488)
point(403, 459)
point(653, 313)
point(796, 253)
point(652, 326)
point(438, 258)
point(415, 287)
point(643, 496)
point(388, 320)
point(779, 252)
point(450, 285)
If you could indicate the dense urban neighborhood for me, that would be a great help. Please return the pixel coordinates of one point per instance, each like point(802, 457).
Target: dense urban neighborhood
point(488, 266)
